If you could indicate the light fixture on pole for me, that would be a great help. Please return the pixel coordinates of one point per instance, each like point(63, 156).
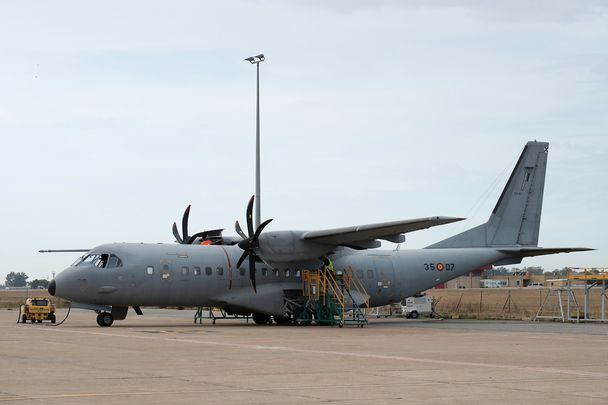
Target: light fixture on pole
point(255, 60)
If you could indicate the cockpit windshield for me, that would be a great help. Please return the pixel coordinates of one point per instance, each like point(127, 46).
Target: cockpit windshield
point(78, 261)
point(103, 260)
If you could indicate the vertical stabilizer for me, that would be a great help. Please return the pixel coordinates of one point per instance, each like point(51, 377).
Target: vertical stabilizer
point(515, 220)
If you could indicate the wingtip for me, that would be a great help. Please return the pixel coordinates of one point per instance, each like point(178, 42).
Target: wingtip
point(448, 220)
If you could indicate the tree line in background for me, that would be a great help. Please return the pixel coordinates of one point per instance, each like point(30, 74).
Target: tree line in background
point(19, 279)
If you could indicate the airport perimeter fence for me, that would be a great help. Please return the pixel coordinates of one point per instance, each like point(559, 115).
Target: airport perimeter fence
point(507, 303)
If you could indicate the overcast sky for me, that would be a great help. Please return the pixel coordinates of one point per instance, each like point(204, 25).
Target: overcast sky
point(114, 116)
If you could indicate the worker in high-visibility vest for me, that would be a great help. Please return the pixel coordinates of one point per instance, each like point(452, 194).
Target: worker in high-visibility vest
point(328, 265)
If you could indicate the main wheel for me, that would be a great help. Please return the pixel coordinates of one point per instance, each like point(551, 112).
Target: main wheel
point(105, 319)
point(282, 320)
point(261, 319)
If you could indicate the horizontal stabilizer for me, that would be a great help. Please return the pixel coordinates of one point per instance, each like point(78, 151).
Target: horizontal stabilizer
point(386, 230)
point(537, 251)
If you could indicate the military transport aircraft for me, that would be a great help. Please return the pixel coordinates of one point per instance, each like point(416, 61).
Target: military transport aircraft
point(206, 269)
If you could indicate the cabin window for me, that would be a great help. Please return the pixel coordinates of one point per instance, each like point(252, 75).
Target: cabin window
point(297, 272)
point(150, 270)
point(242, 271)
point(370, 274)
point(276, 272)
point(220, 271)
point(286, 272)
point(264, 271)
point(360, 274)
point(165, 267)
point(208, 271)
point(185, 270)
point(196, 270)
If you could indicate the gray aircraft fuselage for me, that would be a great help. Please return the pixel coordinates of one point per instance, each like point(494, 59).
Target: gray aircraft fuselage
point(194, 275)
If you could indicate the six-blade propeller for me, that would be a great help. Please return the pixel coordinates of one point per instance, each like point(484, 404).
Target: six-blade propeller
point(250, 242)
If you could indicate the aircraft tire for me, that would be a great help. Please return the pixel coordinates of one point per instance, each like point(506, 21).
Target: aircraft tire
point(282, 320)
point(105, 319)
point(261, 319)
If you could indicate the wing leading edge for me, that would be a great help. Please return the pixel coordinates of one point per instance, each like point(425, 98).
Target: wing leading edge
point(364, 236)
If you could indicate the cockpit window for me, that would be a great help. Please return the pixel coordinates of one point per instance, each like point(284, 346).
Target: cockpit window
point(114, 261)
point(88, 259)
point(79, 260)
point(102, 261)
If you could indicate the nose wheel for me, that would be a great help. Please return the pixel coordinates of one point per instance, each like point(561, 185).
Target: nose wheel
point(105, 319)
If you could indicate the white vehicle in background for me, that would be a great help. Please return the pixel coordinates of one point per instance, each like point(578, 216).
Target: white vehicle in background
point(414, 307)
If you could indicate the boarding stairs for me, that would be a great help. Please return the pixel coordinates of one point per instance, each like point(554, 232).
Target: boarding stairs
point(332, 298)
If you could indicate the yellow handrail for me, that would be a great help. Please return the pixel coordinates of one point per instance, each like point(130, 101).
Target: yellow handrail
point(358, 285)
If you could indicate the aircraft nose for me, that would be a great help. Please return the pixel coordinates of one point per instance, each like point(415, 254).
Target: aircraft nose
point(52, 287)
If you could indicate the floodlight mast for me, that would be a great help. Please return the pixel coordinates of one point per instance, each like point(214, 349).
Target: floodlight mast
point(256, 60)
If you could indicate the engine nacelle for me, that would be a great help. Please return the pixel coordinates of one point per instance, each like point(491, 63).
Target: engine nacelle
point(288, 246)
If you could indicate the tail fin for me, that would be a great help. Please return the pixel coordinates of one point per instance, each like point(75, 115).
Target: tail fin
point(515, 219)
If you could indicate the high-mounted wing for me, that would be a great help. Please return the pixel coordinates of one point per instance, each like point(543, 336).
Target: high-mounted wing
point(364, 236)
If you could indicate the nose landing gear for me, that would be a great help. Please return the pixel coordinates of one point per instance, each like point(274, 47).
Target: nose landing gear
point(105, 319)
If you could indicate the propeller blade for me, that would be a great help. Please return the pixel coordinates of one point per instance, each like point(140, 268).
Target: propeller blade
point(252, 272)
point(265, 262)
point(185, 224)
point(242, 258)
point(250, 216)
point(260, 229)
point(237, 226)
point(176, 234)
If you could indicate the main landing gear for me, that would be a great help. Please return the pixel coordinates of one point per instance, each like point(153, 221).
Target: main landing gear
point(265, 319)
point(261, 319)
point(105, 319)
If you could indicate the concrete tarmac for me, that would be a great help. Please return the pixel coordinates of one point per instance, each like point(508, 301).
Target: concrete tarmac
point(163, 358)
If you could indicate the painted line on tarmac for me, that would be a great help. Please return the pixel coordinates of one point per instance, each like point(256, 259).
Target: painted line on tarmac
point(200, 391)
point(510, 367)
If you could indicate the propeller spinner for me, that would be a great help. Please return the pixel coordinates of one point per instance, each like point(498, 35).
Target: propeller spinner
point(250, 242)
